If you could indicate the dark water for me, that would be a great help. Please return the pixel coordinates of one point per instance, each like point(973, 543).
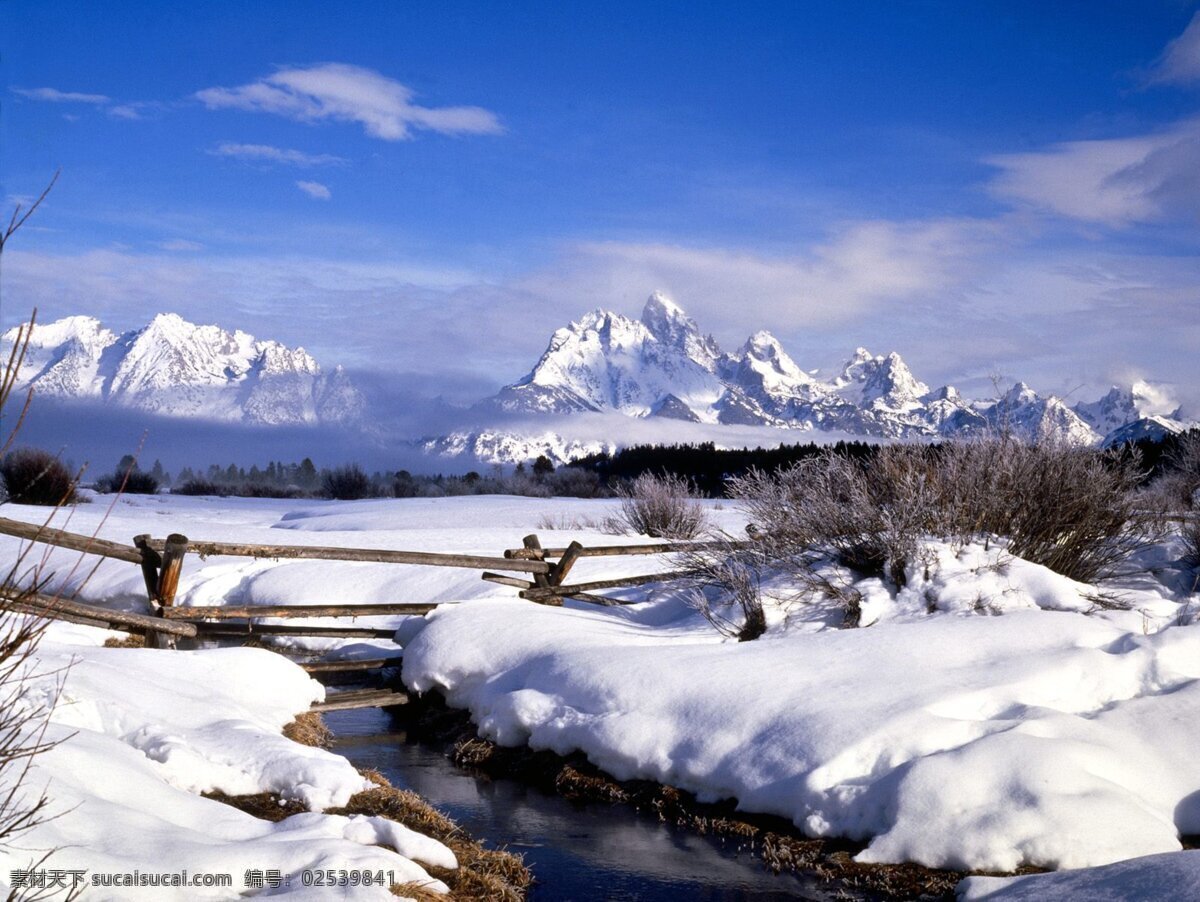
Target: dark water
point(577, 851)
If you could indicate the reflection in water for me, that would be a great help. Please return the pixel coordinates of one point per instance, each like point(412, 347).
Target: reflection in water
point(577, 851)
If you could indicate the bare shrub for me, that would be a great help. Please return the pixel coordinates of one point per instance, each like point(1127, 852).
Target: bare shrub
point(1074, 510)
point(662, 507)
point(128, 479)
point(1070, 509)
point(348, 483)
point(1180, 481)
point(1191, 541)
point(733, 574)
point(23, 722)
point(198, 487)
point(574, 522)
point(33, 476)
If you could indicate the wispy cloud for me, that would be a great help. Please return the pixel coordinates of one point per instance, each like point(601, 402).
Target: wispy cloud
point(341, 92)
point(860, 267)
point(1180, 61)
point(53, 95)
point(315, 190)
point(1116, 182)
point(125, 111)
point(268, 154)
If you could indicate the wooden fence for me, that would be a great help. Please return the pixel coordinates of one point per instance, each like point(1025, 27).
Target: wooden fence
point(539, 573)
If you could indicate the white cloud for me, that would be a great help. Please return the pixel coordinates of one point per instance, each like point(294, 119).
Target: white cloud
point(960, 300)
point(181, 245)
point(125, 111)
point(53, 95)
point(266, 153)
point(1180, 61)
point(315, 190)
point(345, 93)
point(861, 267)
point(1116, 182)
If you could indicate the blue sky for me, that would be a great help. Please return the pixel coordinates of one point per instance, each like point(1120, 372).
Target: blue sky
point(427, 190)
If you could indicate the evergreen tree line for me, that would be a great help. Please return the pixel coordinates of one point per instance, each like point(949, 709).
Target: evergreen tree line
point(706, 467)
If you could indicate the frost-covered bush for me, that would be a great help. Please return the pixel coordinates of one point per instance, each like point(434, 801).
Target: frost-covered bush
point(726, 589)
point(1180, 482)
point(348, 483)
point(662, 507)
point(34, 476)
point(1073, 510)
point(1191, 542)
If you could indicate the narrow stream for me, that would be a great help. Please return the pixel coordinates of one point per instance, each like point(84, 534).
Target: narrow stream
point(577, 851)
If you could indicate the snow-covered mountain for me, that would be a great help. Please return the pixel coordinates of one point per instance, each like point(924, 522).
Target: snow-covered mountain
point(662, 366)
point(174, 368)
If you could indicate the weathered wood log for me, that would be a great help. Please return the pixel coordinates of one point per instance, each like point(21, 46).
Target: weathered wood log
point(369, 555)
point(557, 600)
point(53, 607)
point(534, 547)
point(508, 581)
point(245, 611)
point(371, 698)
point(616, 583)
point(151, 562)
point(621, 550)
point(565, 563)
point(170, 567)
point(72, 541)
point(286, 629)
point(361, 664)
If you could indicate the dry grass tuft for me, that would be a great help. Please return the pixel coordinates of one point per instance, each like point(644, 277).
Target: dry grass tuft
point(309, 729)
point(473, 752)
point(266, 806)
point(573, 784)
point(416, 891)
point(133, 640)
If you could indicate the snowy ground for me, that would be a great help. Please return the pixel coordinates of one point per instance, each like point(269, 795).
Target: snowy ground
point(989, 716)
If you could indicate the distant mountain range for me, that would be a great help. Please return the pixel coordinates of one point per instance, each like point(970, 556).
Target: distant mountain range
point(662, 366)
point(604, 381)
point(174, 368)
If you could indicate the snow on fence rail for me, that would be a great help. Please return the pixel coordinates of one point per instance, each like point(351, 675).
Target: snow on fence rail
point(161, 561)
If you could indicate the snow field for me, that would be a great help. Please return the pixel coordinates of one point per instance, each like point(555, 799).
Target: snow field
point(141, 733)
point(989, 715)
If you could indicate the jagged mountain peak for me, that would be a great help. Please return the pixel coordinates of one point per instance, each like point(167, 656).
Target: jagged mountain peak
point(880, 380)
point(661, 367)
point(671, 326)
point(85, 329)
point(173, 367)
point(1020, 393)
point(764, 348)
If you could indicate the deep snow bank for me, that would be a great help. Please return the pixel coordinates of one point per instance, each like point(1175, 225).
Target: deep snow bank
point(141, 732)
point(941, 734)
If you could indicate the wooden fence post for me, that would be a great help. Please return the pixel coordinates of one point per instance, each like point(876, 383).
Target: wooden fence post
point(172, 565)
point(151, 561)
point(161, 575)
point(541, 580)
point(565, 563)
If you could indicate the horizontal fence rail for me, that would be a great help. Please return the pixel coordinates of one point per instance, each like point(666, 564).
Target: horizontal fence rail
point(622, 550)
point(540, 575)
point(72, 541)
point(243, 611)
point(368, 555)
point(64, 609)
